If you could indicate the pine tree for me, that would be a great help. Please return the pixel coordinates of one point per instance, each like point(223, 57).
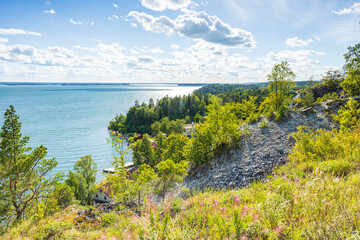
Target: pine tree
point(22, 170)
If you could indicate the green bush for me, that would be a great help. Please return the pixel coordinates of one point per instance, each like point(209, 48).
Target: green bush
point(108, 219)
point(52, 230)
point(337, 167)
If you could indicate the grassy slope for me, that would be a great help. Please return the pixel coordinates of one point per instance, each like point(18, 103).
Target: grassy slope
point(314, 196)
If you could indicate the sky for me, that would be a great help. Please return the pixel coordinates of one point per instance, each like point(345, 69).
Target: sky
point(173, 41)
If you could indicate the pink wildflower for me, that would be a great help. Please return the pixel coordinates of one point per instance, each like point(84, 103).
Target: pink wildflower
point(278, 230)
point(201, 204)
point(204, 220)
point(245, 208)
point(237, 201)
point(223, 210)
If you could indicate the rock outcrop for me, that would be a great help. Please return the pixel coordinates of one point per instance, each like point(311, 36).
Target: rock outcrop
point(261, 151)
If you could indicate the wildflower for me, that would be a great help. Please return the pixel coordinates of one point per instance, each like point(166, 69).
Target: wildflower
point(284, 178)
point(223, 210)
point(216, 202)
point(201, 204)
point(236, 196)
point(237, 201)
point(294, 195)
point(204, 220)
point(278, 230)
point(245, 208)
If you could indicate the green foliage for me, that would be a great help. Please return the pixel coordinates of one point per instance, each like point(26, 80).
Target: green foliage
point(337, 167)
point(263, 124)
point(22, 170)
point(328, 96)
point(143, 152)
point(281, 82)
point(351, 84)
point(78, 183)
point(170, 173)
point(86, 166)
point(332, 79)
point(121, 183)
point(349, 115)
point(144, 182)
point(174, 147)
point(217, 133)
point(166, 126)
point(52, 230)
point(308, 99)
point(63, 195)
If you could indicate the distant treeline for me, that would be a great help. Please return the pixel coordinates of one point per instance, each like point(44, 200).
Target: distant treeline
point(191, 107)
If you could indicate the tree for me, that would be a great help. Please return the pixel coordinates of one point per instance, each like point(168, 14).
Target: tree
point(175, 147)
point(351, 84)
point(144, 182)
point(281, 82)
point(78, 183)
point(143, 151)
point(219, 132)
point(22, 170)
point(170, 173)
point(332, 78)
point(87, 168)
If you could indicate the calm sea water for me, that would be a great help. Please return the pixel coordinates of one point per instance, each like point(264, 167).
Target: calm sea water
point(71, 120)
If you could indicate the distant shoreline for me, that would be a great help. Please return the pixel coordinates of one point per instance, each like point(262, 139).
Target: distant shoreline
point(96, 84)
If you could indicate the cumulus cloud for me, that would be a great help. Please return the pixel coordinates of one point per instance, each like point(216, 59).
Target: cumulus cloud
point(296, 42)
point(3, 40)
point(115, 5)
point(161, 5)
point(13, 31)
point(51, 11)
point(133, 25)
point(355, 8)
point(197, 26)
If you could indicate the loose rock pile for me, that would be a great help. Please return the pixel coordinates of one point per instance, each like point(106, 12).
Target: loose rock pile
point(261, 151)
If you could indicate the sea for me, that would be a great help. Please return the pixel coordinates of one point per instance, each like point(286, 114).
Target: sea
point(71, 120)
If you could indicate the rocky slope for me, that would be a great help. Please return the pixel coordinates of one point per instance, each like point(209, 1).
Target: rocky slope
point(260, 151)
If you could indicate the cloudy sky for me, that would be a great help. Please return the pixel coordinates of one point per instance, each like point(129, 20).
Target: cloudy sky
point(183, 41)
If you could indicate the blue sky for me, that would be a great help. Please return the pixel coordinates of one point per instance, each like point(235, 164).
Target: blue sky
point(183, 41)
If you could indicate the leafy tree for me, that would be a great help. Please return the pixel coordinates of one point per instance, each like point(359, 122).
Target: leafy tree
point(217, 133)
point(332, 79)
point(87, 168)
point(122, 184)
point(308, 99)
point(144, 182)
point(351, 84)
point(78, 183)
point(175, 147)
point(170, 173)
point(281, 82)
point(22, 170)
point(143, 151)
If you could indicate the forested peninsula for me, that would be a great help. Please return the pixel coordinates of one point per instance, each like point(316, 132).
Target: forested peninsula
point(274, 160)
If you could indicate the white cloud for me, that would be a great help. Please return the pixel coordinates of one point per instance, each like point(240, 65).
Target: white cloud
point(12, 31)
point(197, 26)
point(133, 25)
point(114, 18)
point(296, 42)
point(355, 8)
point(115, 5)
point(3, 40)
point(51, 11)
point(161, 5)
point(175, 46)
point(90, 22)
point(48, 2)
point(76, 22)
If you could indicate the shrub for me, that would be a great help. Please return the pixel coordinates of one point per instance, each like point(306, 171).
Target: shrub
point(337, 167)
point(52, 230)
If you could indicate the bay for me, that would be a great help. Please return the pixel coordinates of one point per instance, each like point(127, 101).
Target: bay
point(71, 120)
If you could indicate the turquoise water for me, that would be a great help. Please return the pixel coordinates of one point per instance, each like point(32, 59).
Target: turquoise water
point(71, 120)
